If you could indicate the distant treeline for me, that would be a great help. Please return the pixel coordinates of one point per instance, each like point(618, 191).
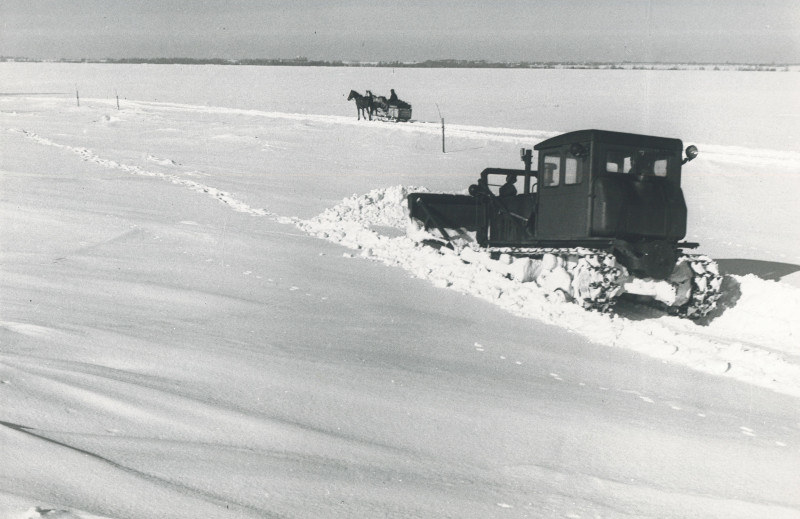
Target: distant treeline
point(438, 63)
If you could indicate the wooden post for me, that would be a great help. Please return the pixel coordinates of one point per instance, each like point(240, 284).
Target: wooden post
point(442, 118)
point(117, 95)
point(77, 97)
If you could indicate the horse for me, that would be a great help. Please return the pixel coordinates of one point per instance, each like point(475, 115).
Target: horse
point(377, 103)
point(363, 104)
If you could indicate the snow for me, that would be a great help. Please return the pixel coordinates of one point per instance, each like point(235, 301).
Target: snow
point(750, 341)
point(210, 307)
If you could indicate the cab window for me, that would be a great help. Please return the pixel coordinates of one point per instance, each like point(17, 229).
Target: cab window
point(660, 168)
point(552, 172)
point(643, 162)
point(618, 162)
point(573, 170)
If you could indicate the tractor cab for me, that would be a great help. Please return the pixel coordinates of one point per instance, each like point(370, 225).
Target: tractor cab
point(592, 187)
point(611, 185)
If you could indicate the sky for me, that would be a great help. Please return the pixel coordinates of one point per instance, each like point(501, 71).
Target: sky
point(736, 31)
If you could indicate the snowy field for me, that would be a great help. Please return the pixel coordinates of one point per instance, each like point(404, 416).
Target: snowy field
point(209, 307)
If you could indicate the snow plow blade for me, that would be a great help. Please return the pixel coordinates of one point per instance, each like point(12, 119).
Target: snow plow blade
point(451, 218)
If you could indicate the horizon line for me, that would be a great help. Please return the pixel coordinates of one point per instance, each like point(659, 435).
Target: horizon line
point(302, 60)
point(431, 63)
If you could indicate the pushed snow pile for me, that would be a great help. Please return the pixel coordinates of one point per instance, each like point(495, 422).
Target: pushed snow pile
point(379, 207)
point(751, 337)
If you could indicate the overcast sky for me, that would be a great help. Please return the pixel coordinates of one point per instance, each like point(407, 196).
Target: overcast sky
point(407, 30)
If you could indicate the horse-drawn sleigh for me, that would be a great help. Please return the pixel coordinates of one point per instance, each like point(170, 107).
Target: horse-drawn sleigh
point(392, 109)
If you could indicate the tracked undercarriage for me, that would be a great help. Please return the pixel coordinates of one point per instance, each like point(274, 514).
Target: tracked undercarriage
point(592, 278)
point(596, 280)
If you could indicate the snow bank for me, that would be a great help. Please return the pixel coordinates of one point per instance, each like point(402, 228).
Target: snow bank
point(752, 337)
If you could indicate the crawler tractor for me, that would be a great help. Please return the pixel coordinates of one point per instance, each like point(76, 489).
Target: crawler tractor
point(602, 215)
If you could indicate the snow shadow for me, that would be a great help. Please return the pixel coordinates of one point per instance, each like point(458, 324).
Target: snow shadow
point(770, 270)
point(731, 291)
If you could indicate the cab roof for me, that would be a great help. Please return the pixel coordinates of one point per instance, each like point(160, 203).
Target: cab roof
point(609, 137)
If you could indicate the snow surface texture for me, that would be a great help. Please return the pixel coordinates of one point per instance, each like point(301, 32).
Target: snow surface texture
point(755, 341)
point(176, 341)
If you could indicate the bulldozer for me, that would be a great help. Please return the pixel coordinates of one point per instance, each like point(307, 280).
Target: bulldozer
point(602, 217)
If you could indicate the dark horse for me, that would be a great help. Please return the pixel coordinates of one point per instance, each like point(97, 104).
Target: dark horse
point(377, 104)
point(363, 104)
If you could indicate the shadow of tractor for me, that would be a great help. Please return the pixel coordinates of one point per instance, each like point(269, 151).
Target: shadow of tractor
point(730, 290)
point(770, 270)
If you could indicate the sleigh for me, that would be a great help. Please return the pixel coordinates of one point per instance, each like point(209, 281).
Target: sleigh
point(398, 111)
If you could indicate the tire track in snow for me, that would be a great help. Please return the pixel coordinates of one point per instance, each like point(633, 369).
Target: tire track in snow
point(89, 156)
point(497, 134)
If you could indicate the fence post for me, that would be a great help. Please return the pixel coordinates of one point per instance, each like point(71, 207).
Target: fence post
point(442, 118)
point(443, 136)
